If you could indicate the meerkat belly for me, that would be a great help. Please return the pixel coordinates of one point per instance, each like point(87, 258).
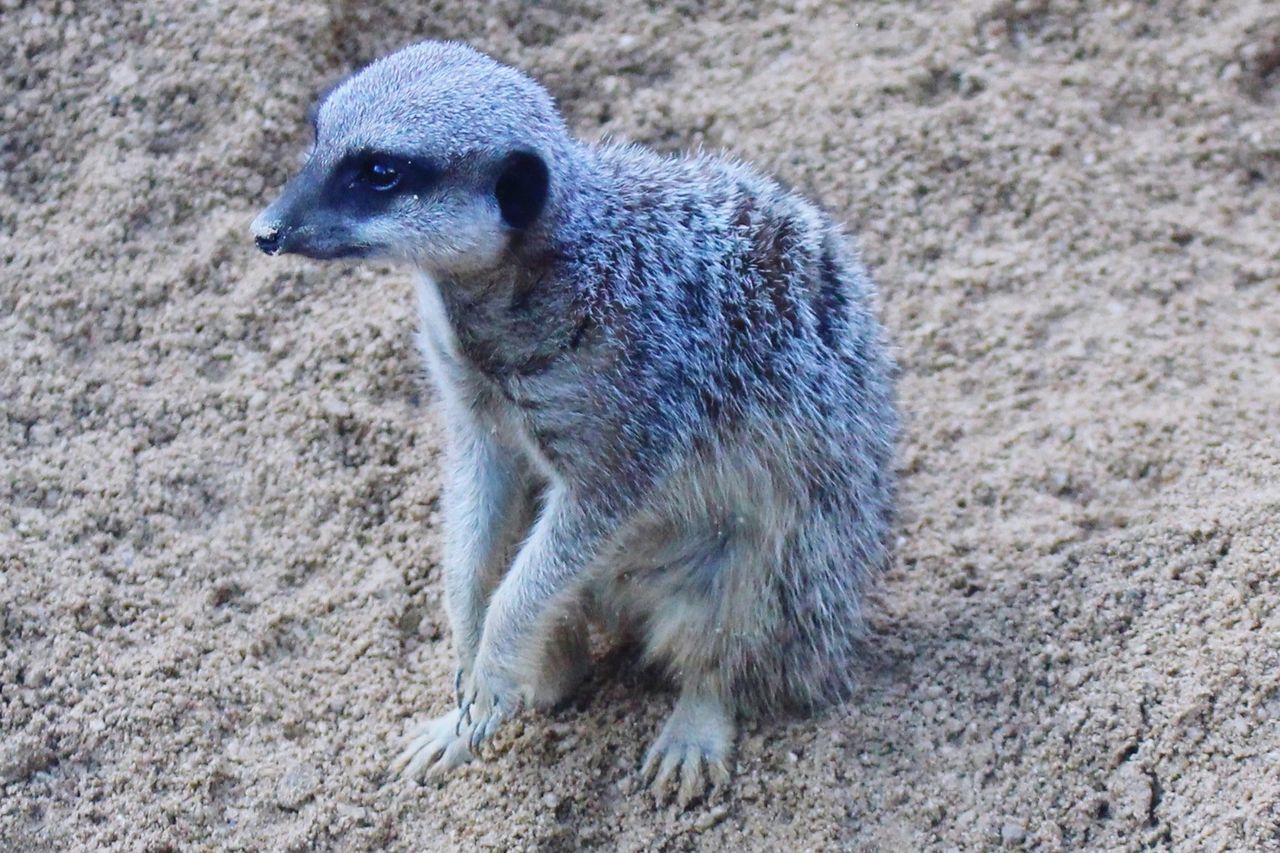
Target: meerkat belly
point(694, 566)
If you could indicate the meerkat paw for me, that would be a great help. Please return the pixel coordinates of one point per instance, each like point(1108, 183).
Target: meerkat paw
point(442, 743)
point(694, 745)
point(486, 702)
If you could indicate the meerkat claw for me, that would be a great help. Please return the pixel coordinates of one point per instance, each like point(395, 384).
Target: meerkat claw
point(487, 722)
point(464, 715)
point(687, 773)
point(691, 751)
point(690, 771)
point(477, 735)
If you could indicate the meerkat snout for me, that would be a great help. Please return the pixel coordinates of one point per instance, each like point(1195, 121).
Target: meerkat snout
point(266, 238)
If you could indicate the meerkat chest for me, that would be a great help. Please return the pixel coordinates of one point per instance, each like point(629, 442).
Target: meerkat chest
point(514, 391)
point(499, 332)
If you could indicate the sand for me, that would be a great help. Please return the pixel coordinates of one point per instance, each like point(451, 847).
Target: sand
point(219, 534)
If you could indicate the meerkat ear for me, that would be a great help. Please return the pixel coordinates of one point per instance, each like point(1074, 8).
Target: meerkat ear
point(522, 188)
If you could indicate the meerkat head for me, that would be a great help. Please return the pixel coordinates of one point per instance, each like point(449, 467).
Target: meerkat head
point(436, 155)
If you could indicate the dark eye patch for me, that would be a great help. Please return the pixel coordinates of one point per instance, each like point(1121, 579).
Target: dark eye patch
point(366, 181)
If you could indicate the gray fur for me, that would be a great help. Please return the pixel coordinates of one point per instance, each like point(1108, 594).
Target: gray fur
point(669, 407)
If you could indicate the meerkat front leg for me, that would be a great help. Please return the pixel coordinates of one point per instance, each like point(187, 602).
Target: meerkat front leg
point(528, 610)
point(485, 511)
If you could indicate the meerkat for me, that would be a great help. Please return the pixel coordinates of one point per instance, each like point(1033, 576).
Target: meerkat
point(668, 401)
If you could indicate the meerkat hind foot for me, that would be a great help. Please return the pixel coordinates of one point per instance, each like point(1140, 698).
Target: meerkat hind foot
point(694, 745)
point(441, 743)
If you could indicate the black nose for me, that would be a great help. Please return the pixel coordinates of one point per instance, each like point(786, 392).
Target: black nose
point(269, 241)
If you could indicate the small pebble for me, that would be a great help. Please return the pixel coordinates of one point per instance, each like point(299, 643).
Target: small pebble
point(710, 818)
point(1013, 833)
point(296, 787)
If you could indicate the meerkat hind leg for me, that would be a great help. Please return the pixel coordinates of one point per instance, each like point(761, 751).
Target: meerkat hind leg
point(695, 744)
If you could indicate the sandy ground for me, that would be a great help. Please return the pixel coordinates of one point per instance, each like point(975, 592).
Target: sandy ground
point(219, 541)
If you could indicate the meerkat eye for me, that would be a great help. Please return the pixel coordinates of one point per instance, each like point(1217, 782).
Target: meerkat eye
point(378, 174)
